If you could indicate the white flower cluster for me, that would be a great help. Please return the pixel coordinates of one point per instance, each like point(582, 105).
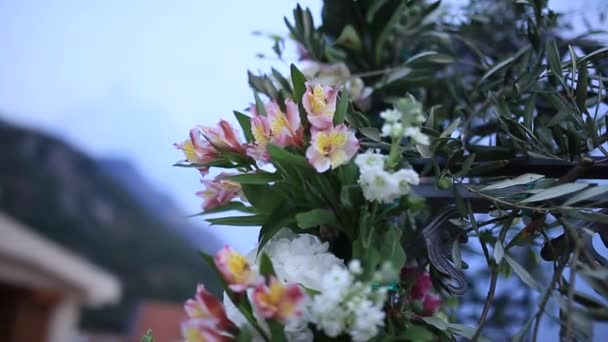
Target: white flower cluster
point(348, 306)
point(379, 184)
point(301, 259)
point(396, 127)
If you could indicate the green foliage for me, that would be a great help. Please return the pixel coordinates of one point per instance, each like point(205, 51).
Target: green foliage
point(148, 337)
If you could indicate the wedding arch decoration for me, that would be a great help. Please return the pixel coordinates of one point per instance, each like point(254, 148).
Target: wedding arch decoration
point(409, 146)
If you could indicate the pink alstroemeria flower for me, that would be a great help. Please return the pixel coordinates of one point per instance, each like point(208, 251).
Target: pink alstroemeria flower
point(331, 148)
point(197, 330)
point(285, 128)
point(198, 151)
point(278, 300)
point(277, 127)
point(235, 269)
point(320, 105)
point(223, 137)
point(204, 306)
point(219, 191)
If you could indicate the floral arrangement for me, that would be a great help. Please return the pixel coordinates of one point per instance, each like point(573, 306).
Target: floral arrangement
point(343, 165)
point(301, 173)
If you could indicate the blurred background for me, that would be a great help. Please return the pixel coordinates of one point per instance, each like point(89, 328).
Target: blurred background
point(92, 96)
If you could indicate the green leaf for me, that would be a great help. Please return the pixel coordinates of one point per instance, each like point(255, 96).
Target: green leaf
point(593, 55)
point(556, 191)
point(340, 113)
point(315, 217)
point(245, 221)
point(263, 197)
point(554, 59)
point(148, 337)
point(499, 252)
point(281, 155)
point(456, 255)
point(371, 132)
point(521, 272)
point(282, 80)
point(245, 123)
point(266, 268)
point(451, 128)
point(417, 333)
point(259, 105)
point(391, 248)
point(239, 206)
point(498, 66)
point(351, 196)
point(280, 218)
point(259, 177)
point(436, 322)
point(299, 83)
point(581, 88)
point(587, 194)
point(520, 180)
point(277, 332)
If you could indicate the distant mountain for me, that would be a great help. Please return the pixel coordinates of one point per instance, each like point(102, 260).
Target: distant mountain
point(106, 212)
point(159, 204)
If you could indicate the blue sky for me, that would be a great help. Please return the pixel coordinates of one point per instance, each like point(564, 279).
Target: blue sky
point(129, 78)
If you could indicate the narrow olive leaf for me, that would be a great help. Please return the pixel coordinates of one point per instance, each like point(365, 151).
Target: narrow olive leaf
point(259, 105)
point(556, 191)
point(519, 180)
point(555, 63)
point(499, 252)
point(593, 55)
point(456, 255)
point(529, 111)
point(450, 129)
point(581, 88)
point(371, 132)
point(245, 123)
point(245, 221)
point(587, 194)
point(315, 218)
point(266, 268)
point(282, 80)
point(342, 107)
point(299, 83)
point(521, 272)
point(497, 67)
point(260, 177)
point(436, 322)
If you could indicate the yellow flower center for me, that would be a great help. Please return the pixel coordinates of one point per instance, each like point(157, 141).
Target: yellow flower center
point(279, 122)
point(329, 142)
point(317, 102)
point(238, 266)
point(274, 295)
point(258, 134)
point(189, 151)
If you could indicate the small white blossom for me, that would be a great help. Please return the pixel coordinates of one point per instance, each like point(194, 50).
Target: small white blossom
point(355, 267)
point(357, 310)
point(391, 115)
point(378, 185)
point(416, 135)
point(370, 159)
